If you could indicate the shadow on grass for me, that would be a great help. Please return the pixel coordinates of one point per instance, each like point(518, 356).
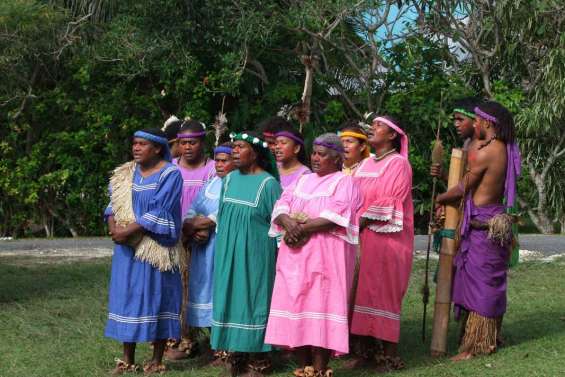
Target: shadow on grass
point(22, 279)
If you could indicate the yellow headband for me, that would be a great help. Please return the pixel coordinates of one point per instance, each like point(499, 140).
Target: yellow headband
point(367, 151)
point(353, 134)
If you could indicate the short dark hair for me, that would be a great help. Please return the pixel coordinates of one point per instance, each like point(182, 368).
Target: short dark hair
point(468, 104)
point(352, 125)
point(504, 125)
point(157, 132)
point(273, 125)
point(172, 129)
point(192, 125)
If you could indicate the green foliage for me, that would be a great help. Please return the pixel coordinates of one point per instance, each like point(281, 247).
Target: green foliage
point(78, 77)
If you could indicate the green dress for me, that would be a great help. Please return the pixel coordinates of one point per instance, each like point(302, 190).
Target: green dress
point(244, 262)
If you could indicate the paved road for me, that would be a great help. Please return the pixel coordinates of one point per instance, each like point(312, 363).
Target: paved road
point(546, 245)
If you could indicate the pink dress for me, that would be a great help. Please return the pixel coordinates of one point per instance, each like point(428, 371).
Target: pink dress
point(288, 179)
point(386, 246)
point(312, 283)
point(193, 181)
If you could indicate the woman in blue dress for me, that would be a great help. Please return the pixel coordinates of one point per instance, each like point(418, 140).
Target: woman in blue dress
point(199, 226)
point(144, 220)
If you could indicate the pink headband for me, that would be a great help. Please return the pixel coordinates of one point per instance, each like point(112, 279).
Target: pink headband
point(403, 137)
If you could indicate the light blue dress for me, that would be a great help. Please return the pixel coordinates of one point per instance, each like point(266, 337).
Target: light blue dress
point(144, 304)
point(206, 203)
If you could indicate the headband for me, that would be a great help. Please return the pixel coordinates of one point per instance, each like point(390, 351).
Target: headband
point(356, 135)
point(484, 115)
point(190, 135)
point(268, 134)
point(248, 139)
point(403, 137)
point(156, 139)
point(290, 135)
point(468, 114)
point(335, 147)
point(360, 136)
point(222, 149)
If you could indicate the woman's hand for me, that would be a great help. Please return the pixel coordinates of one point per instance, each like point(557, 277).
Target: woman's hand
point(119, 234)
point(125, 234)
point(201, 222)
point(202, 236)
point(187, 229)
point(111, 225)
point(294, 230)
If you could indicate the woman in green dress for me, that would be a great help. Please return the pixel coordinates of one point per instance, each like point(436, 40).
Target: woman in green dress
point(244, 262)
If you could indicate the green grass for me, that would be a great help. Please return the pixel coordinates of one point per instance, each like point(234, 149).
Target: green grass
point(52, 317)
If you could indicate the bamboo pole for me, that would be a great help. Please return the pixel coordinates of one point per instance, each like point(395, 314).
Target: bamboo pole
point(447, 252)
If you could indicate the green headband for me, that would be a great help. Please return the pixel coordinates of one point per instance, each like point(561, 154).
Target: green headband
point(249, 139)
point(468, 114)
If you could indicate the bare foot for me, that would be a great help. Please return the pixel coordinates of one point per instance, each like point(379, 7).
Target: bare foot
point(174, 354)
point(462, 356)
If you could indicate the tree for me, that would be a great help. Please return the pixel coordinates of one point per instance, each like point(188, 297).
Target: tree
point(520, 44)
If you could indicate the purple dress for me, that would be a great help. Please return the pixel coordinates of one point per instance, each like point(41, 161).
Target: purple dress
point(287, 179)
point(193, 181)
point(479, 283)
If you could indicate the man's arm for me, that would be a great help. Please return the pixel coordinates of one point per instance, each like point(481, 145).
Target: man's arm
point(477, 169)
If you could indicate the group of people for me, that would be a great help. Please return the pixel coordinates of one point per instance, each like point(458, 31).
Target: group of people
point(305, 256)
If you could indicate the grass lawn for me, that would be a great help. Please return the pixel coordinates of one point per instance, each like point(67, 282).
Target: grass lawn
point(52, 318)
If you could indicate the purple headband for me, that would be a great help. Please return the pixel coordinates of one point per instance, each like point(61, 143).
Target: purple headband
point(484, 115)
point(337, 148)
point(191, 135)
point(222, 149)
point(290, 135)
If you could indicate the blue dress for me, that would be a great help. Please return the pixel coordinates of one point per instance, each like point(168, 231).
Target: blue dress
point(206, 203)
point(144, 303)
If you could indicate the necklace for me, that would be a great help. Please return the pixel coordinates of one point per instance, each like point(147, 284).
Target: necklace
point(352, 167)
point(378, 158)
point(486, 143)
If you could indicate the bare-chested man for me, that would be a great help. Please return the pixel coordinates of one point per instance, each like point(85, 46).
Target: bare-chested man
point(479, 284)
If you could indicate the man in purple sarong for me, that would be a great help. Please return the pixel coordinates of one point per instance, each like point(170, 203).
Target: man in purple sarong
point(489, 186)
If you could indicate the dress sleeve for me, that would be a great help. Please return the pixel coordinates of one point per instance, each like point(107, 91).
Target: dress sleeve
point(282, 206)
point(225, 182)
point(342, 210)
point(271, 193)
point(388, 209)
point(163, 216)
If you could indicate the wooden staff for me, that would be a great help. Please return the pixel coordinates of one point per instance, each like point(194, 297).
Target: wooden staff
point(437, 157)
point(447, 252)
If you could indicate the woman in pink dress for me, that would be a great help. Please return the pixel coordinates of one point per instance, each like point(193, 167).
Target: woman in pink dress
point(291, 156)
point(386, 222)
point(317, 214)
point(355, 145)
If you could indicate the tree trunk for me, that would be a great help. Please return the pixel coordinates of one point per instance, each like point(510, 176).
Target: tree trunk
point(542, 221)
point(562, 223)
